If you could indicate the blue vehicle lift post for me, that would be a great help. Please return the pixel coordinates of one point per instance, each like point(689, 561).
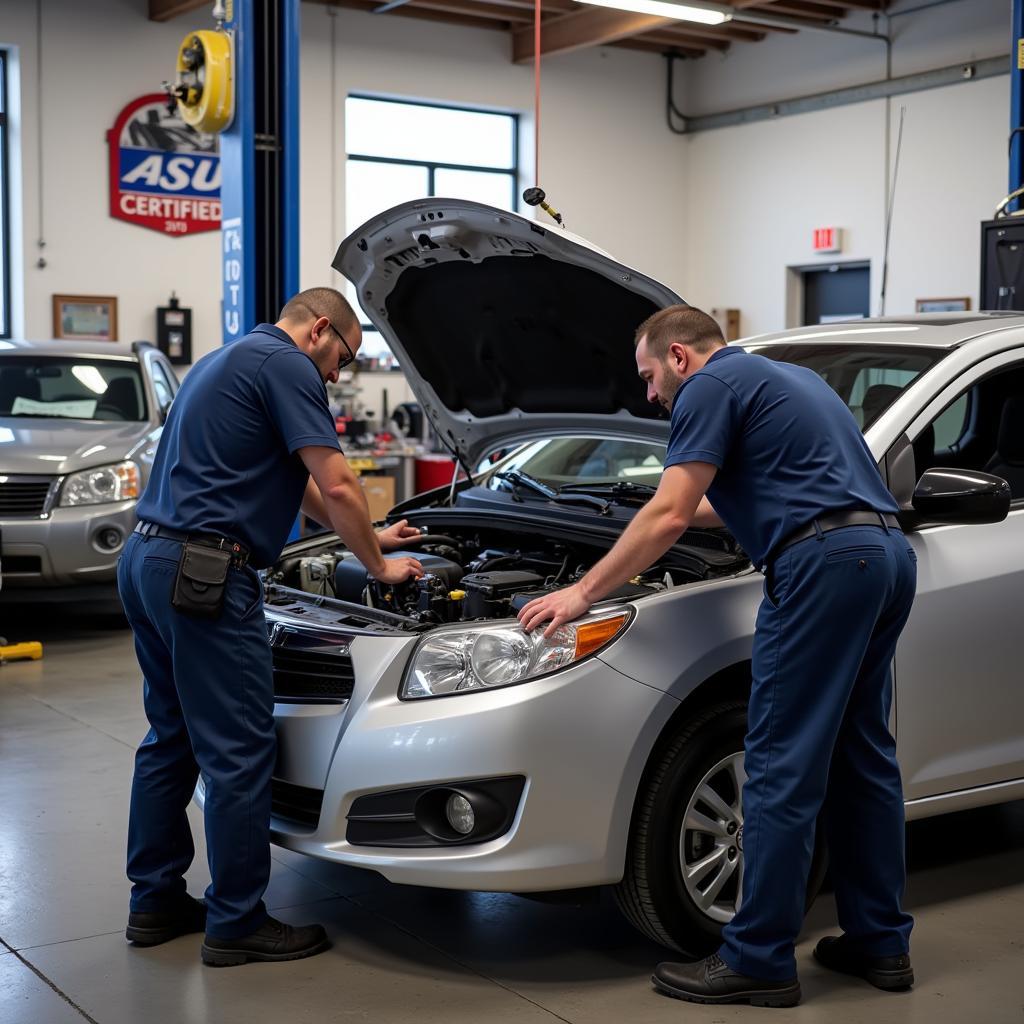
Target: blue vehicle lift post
point(260, 167)
point(1017, 103)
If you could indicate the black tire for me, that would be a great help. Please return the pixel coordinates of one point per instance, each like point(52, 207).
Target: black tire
point(652, 894)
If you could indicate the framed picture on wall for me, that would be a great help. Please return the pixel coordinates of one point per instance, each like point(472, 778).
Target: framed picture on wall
point(960, 305)
point(85, 317)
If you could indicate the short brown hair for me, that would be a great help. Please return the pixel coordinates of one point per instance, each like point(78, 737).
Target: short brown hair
point(318, 302)
point(681, 323)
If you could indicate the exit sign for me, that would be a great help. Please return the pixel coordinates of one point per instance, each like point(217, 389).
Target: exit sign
point(828, 239)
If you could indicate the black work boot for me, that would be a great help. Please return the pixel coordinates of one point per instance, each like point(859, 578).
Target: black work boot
point(712, 980)
point(890, 973)
point(272, 941)
point(150, 929)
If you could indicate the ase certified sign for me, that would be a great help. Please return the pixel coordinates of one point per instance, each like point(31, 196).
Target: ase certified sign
point(164, 175)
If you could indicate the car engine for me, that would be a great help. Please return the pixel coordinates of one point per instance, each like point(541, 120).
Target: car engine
point(468, 575)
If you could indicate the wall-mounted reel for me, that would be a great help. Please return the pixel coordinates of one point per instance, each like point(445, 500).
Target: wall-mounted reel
point(204, 92)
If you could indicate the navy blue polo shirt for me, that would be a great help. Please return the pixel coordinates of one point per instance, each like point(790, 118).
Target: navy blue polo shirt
point(227, 461)
point(786, 446)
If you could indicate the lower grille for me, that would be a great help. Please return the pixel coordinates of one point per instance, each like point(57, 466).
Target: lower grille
point(318, 675)
point(31, 564)
point(24, 496)
point(296, 803)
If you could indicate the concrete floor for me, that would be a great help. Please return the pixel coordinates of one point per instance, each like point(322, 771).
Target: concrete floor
point(68, 728)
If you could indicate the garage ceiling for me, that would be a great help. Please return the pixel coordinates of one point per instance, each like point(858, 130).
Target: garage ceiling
point(568, 25)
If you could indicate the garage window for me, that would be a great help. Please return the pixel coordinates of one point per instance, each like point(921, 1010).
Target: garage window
point(5, 230)
point(398, 151)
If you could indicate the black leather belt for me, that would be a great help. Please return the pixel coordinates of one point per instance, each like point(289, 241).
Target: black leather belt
point(206, 540)
point(835, 521)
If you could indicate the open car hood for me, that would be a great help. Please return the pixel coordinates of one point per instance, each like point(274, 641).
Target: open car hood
point(505, 329)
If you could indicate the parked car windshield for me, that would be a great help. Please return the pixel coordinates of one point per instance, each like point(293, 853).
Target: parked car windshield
point(867, 379)
point(585, 460)
point(71, 387)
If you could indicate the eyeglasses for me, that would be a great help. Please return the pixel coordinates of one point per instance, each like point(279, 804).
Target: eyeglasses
point(346, 359)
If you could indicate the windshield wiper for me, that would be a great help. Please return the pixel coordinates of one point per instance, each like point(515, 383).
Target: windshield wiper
point(518, 478)
point(620, 490)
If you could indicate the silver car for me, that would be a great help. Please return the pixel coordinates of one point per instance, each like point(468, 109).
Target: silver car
point(79, 425)
point(424, 736)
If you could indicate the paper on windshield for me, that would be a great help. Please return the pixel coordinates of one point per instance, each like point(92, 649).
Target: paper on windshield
point(79, 409)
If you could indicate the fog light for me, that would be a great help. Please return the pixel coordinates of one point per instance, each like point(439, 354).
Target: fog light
point(109, 539)
point(459, 812)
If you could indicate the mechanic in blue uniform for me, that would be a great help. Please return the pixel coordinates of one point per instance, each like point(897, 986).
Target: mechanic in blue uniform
point(248, 439)
point(784, 466)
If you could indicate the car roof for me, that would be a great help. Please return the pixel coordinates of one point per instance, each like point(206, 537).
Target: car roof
point(86, 349)
point(936, 330)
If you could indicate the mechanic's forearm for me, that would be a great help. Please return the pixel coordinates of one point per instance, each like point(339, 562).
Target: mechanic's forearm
point(313, 504)
point(651, 533)
point(345, 506)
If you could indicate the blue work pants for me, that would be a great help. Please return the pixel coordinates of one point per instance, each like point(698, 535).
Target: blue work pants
point(818, 742)
point(208, 693)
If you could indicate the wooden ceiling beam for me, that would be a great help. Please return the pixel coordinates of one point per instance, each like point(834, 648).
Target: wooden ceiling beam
point(408, 11)
point(475, 9)
point(681, 35)
point(164, 10)
point(644, 45)
point(596, 26)
point(794, 10)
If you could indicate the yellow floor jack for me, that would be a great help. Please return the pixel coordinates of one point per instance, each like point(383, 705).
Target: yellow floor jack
point(31, 651)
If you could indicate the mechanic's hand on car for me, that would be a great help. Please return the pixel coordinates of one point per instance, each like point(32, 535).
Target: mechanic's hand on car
point(398, 570)
point(560, 607)
point(398, 535)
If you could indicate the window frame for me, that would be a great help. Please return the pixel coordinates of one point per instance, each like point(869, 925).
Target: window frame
point(432, 166)
point(5, 198)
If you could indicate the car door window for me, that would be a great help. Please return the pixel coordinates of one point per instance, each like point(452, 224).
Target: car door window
point(981, 429)
point(161, 385)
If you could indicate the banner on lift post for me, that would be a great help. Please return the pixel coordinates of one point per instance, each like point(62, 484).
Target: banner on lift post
point(164, 175)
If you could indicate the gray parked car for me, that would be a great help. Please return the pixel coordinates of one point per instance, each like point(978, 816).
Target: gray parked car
point(79, 425)
point(424, 736)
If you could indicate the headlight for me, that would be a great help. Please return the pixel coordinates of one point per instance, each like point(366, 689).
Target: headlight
point(97, 486)
point(481, 657)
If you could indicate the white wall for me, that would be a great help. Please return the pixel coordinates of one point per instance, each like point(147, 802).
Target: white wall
point(602, 127)
point(96, 57)
point(718, 216)
point(756, 192)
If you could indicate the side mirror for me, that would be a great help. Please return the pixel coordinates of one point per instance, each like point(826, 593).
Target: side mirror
point(956, 496)
point(164, 410)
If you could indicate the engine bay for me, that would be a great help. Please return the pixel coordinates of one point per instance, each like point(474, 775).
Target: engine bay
point(480, 573)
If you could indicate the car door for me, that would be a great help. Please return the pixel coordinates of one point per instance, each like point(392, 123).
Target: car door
point(959, 695)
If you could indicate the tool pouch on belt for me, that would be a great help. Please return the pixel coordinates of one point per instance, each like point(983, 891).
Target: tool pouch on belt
point(201, 582)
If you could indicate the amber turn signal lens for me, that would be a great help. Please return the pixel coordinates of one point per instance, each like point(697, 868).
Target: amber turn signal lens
point(592, 636)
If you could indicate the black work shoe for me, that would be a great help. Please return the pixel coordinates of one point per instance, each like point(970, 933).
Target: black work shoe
point(891, 973)
point(150, 929)
point(272, 941)
point(712, 980)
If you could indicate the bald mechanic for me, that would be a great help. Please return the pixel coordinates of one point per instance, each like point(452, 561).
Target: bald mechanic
point(249, 438)
point(783, 465)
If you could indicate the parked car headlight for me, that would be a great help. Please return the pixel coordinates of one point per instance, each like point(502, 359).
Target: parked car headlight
point(481, 657)
point(105, 483)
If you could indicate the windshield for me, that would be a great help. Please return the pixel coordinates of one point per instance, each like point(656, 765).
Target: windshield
point(71, 387)
point(867, 379)
point(585, 460)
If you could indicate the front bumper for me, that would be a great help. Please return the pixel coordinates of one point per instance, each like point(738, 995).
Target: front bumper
point(63, 549)
point(580, 738)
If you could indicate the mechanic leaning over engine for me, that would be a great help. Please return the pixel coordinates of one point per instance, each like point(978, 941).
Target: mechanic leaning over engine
point(784, 466)
point(249, 439)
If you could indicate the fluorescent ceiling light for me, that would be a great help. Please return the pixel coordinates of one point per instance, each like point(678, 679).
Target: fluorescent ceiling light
point(712, 14)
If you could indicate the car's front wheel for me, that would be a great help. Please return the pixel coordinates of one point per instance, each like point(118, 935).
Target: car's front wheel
point(684, 866)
